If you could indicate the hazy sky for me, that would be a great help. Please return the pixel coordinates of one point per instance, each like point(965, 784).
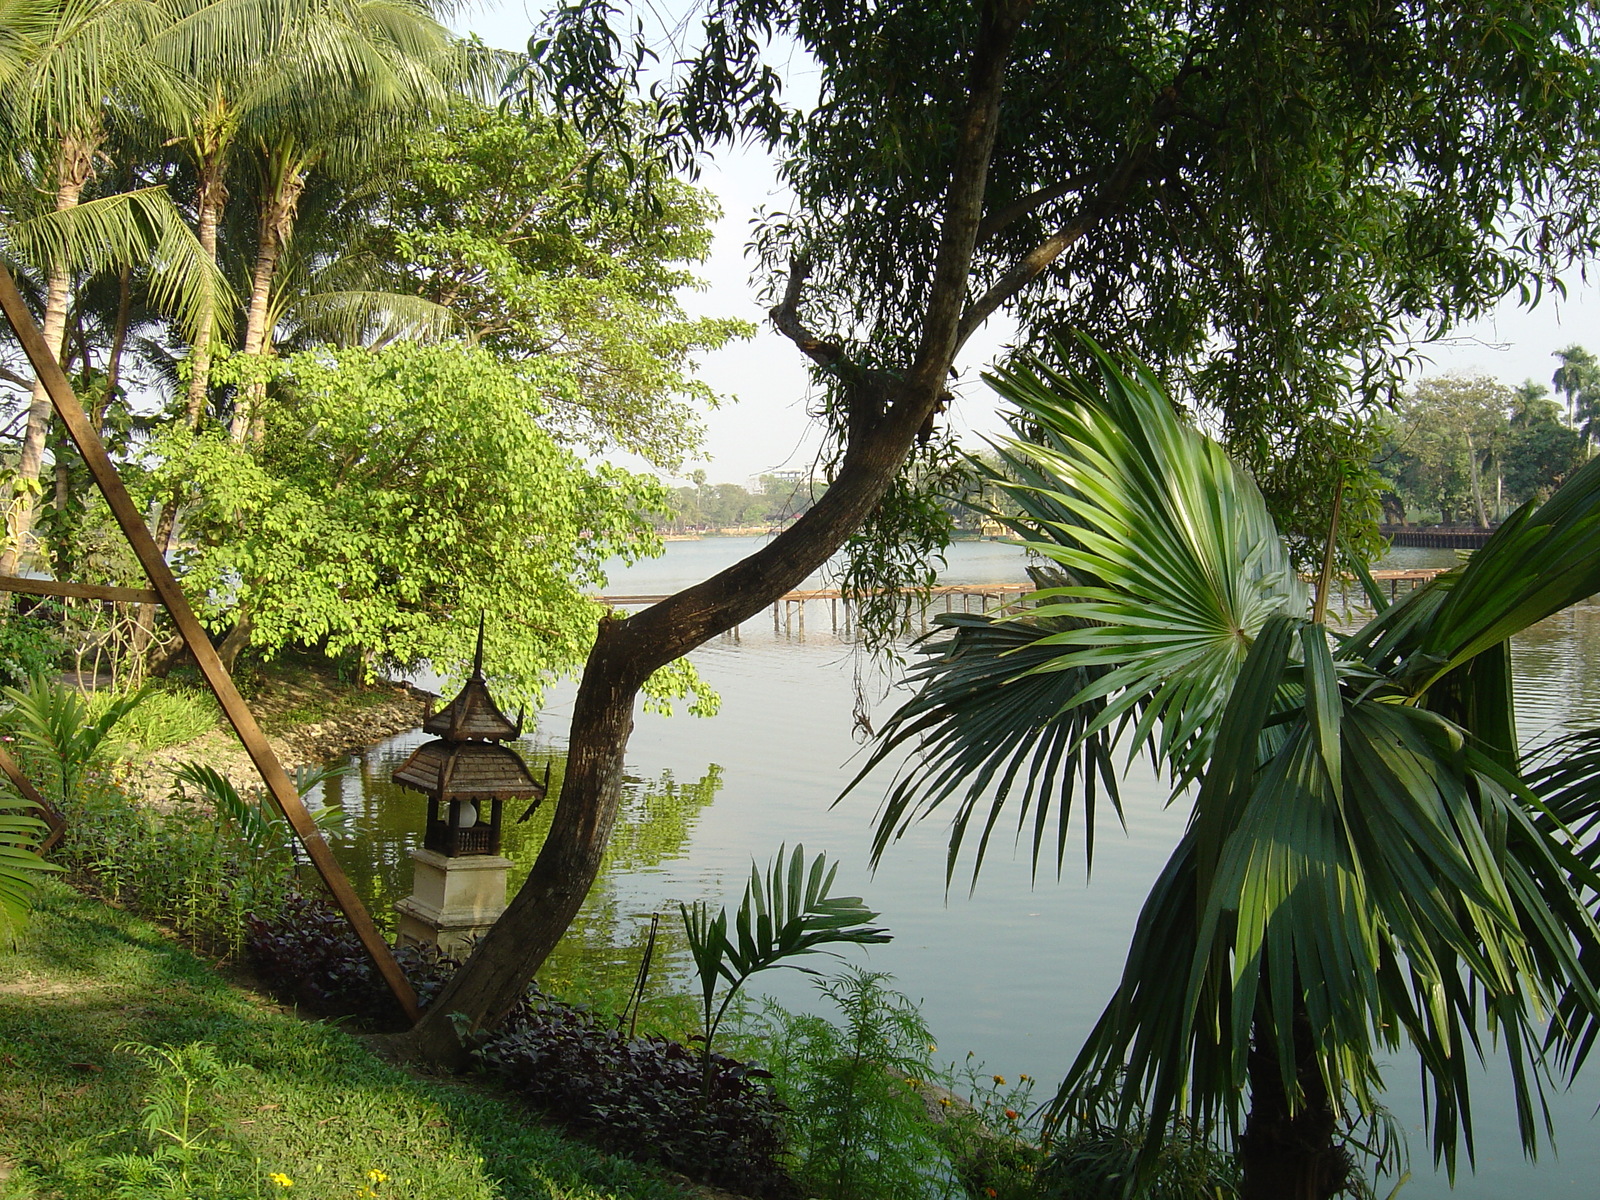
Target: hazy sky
point(765, 427)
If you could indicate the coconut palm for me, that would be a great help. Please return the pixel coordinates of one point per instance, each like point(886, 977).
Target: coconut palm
point(278, 87)
point(72, 66)
point(1366, 863)
point(1578, 379)
point(357, 75)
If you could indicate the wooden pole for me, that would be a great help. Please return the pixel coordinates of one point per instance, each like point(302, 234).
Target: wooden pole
point(52, 815)
point(166, 586)
point(81, 591)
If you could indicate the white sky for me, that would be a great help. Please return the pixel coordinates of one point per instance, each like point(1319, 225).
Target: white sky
point(765, 428)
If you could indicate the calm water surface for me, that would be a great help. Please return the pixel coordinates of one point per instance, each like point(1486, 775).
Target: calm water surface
point(1016, 969)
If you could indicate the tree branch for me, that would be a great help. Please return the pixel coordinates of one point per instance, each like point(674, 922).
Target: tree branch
point(786, 317)
point(1034, 263)
point(1021, 207)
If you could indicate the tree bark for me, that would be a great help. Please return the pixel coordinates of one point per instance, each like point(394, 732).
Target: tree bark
point(277, 224)
point(213, 195)
point(1477, 484)
point(1287, 1149)
point(75, 168)
point(627, 651)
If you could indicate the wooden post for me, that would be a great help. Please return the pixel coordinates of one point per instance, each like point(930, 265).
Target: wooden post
point(52, 815)
point(166, 586)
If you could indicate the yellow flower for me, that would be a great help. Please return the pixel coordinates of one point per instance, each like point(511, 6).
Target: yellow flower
point(377, 1176)
point(1025, 1078)
point(944, 1101)
point(282, 1180)
point(1000, 1079)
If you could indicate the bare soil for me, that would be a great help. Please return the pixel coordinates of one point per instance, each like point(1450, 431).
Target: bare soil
point(309, 719)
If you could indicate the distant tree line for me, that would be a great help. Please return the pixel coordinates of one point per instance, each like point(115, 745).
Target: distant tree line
point(1467, 449)
point(703, 507)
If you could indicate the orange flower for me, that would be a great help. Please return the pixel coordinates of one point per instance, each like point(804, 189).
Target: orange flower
point(1011, 1114)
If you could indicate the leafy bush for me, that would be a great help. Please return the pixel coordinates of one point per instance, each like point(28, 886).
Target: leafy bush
point(189, 867)
point(858, 1126)
point(646, 1097)
point(29, 646)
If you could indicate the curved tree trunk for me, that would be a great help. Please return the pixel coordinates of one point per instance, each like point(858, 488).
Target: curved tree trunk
point(885, 419)
point(75, 168)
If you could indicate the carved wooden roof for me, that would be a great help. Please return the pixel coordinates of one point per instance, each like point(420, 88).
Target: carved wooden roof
point(467, 771)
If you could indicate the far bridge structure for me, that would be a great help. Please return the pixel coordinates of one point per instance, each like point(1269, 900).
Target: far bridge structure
point(789, 610)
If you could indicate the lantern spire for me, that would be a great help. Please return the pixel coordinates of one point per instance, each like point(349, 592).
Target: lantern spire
point(473, 715)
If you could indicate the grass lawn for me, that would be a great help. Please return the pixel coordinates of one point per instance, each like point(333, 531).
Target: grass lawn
point(298, 1100)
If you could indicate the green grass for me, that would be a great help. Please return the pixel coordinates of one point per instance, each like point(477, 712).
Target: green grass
point(298, 1098)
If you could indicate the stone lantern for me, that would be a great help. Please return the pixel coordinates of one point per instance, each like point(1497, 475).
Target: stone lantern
point(459, 887)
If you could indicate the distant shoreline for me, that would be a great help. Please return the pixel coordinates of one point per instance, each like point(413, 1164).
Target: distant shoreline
point(768, 530)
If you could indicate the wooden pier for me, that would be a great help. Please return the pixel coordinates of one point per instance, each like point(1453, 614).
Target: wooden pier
point(789, 610)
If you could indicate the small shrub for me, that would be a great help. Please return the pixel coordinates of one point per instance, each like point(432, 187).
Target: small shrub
point(646, 1098)
point(186, 868)
point(857, 1122)
point(994, 1140)
point(1094, 1157)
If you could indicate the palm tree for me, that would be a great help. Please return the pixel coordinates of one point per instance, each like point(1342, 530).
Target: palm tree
point(354, 76)
point(1578, 379)
point(69, 64)
point(268, 74)
point(1367, 860)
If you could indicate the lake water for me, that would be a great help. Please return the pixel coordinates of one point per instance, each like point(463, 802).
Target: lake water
point(1014, 970)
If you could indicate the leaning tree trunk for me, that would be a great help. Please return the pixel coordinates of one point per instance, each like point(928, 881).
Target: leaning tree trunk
point(883, 426)
point(75, 168)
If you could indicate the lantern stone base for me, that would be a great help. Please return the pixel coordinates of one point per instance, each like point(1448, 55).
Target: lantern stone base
point(453, 901)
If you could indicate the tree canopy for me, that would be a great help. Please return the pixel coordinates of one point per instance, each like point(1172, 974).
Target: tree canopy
point(544, 252)
point(397, 492)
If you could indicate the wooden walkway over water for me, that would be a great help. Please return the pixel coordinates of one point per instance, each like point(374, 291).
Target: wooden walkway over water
point(789, 610)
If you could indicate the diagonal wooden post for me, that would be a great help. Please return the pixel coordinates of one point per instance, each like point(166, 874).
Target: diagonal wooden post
point(165, 583)
point(52, 815)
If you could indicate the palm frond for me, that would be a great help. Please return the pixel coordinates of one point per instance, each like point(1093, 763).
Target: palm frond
point(20, 864)
point(982, 722)
point(139, 228)
point(1178, 560)
point(370, 318)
